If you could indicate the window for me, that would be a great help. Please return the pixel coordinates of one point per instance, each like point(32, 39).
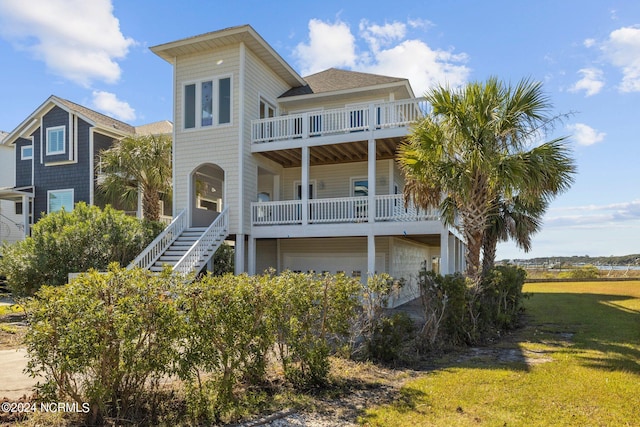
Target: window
point(298, 190)
point(26, 152)
point(59, 199)
point(214, 100)
point(360, 187)
point(189, 106)
point(55, 140)
point(224, 101)
point(18, 208)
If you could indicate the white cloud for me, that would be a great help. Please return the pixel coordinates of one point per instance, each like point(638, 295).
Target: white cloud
point(109, 104)
point(586, 135)
point(385, 49)
point(594, 215)
point(589, 42)
point(592, 81)
point(77, 39)
point(623, 50)
point(330, 45)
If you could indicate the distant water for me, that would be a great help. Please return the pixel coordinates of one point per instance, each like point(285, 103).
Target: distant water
point(618, 267)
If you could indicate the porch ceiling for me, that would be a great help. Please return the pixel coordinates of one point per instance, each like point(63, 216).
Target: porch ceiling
point(356, 151)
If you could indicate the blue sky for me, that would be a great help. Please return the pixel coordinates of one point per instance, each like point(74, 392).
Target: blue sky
point(587, 54)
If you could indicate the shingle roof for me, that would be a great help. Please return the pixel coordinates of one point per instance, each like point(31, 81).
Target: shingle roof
point(162, 127)
point(334, 79)
point(97, 118)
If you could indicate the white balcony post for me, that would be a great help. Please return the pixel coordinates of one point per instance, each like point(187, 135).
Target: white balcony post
point(239, 253)
point(372, 180)
point(305, 185)
point(252, 256)
point(452, 254)
point(444, 252)
point(371, 255)
point(25, 215)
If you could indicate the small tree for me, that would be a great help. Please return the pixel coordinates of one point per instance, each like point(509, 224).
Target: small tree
point(138, 164)
point(67, 242)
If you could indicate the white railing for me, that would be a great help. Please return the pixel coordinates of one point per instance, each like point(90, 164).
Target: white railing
point(204, 247)
point(339, 210)
point(339, 120)
point(392, 208)
point(161, 243)
point(280, 213)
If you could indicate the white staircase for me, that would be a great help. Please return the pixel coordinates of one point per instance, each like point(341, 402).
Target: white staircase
point(178, 248)
point(185, 249)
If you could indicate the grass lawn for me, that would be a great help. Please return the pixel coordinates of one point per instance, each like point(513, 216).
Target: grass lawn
point(575, 363)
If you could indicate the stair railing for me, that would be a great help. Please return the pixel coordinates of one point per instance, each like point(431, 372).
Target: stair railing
point(161, 243)
point(216, 231)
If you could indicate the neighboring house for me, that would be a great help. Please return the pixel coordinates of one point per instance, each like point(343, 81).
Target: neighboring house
point(56, 152)
point(11, 225)
point(299, 172)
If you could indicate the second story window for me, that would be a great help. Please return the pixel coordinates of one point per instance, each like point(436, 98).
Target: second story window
point(26, 152)
point(207, 103)
point(55, 140)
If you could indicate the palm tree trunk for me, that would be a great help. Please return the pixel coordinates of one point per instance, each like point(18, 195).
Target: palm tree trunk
point(489, 245)
point(151, 205)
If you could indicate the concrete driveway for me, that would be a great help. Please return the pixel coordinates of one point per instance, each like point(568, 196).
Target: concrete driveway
point(13, 382)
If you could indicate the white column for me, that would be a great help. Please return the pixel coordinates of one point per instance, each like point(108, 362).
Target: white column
point(239, 254)
point(25, 215)
point(452, 254)
point(371, 177)
point(371, 255)
point(305, 185)
point(444, 252)
point(251, 268)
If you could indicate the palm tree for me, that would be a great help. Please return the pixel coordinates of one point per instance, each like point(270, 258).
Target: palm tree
point(138, 164)
point(472, 153)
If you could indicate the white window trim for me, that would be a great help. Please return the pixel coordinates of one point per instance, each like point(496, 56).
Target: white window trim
point(64, 137)
point(60, 191)
point(215, 106)
point(23, 156)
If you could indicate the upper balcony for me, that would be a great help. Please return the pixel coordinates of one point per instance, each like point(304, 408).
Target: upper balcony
point(385, 120)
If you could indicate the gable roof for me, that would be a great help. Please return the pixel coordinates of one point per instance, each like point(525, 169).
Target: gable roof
point(334, 80)
point(229, 37)
point(92, 117)
point(163, 127)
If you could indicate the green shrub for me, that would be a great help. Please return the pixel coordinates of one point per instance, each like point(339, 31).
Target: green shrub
point(502, 296)
point(226, 340)
point(312, 315)
point(585, 272)
point(76, 241)
point(104, 339)
point(390, 336)
point(449, 305)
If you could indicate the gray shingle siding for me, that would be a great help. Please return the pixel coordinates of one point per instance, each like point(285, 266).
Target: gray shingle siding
point(23, 167)
point(74, 176)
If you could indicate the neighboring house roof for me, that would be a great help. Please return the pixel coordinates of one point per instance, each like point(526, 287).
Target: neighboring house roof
point(334, 80)
point(99, 120)
point(3, 135)
point(163, 127)
point(229, 37)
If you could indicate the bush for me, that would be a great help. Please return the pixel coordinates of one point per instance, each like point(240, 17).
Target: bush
point(449, 304)
point(76, 241)
point(502, 296)
point(390, 336)
point(226, 340)
point(105, 339)
point(585, 272)
point(311, 314)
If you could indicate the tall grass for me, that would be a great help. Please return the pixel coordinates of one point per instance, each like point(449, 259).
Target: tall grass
point(577, 362)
